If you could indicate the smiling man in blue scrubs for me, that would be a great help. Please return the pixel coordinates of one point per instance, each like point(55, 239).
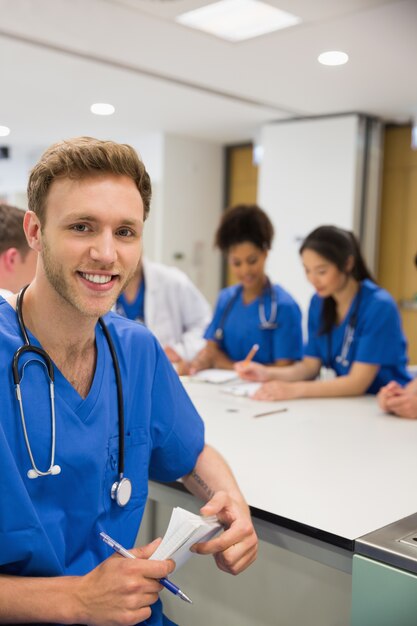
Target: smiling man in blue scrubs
point(88, 200)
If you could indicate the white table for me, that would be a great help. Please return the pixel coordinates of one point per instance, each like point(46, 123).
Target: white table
point(331, 469)
point(317, 477)
point(339, 465)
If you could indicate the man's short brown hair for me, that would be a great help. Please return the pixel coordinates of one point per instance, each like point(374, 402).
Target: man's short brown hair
point(11, 229)
point(82, 157)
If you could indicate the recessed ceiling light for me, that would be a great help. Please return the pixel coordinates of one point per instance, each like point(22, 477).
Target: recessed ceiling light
point(100, 108)
point(4, 131)
point(333, 57)
point(236, 20)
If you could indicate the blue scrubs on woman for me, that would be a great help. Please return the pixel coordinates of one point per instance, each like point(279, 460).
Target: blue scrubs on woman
point(51, 526)
point(378, 337)
point(242, 326)
point(133, 310)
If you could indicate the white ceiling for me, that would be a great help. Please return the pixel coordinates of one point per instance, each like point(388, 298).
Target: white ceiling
point(59, 56)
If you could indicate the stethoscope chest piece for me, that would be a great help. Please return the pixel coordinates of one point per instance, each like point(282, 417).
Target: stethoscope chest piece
point(121, 491)
point(268, 325)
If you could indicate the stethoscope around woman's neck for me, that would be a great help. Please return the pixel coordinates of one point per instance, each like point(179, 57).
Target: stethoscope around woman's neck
point(264, 322)
point(348, 336)
point(121, 490)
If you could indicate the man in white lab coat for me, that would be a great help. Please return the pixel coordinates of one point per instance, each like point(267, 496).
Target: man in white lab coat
point(171, 306)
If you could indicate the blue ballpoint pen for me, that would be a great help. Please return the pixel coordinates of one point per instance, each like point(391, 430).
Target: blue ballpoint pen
point(164, 581)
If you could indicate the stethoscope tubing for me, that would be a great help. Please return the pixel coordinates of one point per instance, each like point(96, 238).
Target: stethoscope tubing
point(348, 336)
point(265, 324)
point(120, 402)
point(30, 348)
point(27, 347)
point(121, 489)
point(52, 469)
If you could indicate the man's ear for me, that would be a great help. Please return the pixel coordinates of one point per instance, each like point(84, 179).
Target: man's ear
point(32, 228)
point(10, 257)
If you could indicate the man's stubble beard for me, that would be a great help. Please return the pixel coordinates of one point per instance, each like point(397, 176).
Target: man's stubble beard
point(56, 277)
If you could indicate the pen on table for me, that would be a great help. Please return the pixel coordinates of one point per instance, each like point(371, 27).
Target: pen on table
point(271, 412)
point(251, 353)
point(164, 581)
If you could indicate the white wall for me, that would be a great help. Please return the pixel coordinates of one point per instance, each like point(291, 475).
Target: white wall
point(187, 182)
point(189, 209)
point(310, 175)
point(14, 173)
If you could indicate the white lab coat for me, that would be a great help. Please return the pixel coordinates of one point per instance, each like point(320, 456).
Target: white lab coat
point(5, 293)
point(175, 310)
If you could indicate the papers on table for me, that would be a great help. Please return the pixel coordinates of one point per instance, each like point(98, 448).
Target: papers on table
point(231, 383)
point(215, 376)
point(242, 389)
point(184, 530)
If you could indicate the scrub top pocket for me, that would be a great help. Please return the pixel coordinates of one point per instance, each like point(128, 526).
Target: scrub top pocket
point(136, 467)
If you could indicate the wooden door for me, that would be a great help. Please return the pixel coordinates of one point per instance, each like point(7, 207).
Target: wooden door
point(242, 183)
point(398, 234)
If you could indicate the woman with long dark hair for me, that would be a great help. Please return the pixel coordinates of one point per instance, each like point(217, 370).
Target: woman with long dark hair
point(354, 328)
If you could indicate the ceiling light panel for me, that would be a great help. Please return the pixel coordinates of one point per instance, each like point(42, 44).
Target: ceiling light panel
point(236, 20)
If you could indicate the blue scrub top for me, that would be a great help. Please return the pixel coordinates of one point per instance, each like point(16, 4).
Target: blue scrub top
point(242, 330)
point(50, 526)
point(378, 338)
point(133, 310)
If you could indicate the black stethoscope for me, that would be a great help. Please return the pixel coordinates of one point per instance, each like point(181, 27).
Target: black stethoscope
point(121, 490)
point(348, 336)
point(264, 323)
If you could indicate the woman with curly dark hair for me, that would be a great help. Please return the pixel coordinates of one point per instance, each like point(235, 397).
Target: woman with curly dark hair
point(253, 314)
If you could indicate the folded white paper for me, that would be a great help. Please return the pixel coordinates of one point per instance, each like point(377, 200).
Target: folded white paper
point(184, 530)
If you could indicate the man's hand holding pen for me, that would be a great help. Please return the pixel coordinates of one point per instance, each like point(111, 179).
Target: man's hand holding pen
point(120, 590)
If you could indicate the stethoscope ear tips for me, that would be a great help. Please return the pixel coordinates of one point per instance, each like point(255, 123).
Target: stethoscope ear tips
point(54, 470)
